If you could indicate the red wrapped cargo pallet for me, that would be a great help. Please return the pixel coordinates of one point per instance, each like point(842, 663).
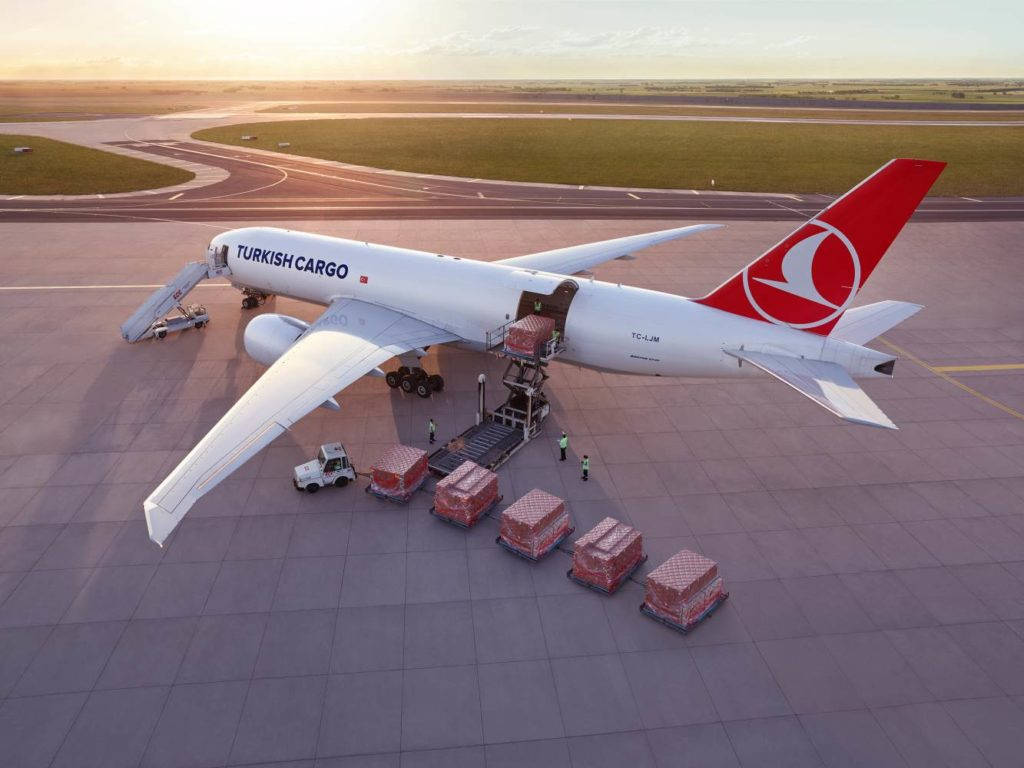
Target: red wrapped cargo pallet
point(605, 555)
point(525, 336)
point(466, 494)
point(534, 524)
point(683, 590)
point(399, 471)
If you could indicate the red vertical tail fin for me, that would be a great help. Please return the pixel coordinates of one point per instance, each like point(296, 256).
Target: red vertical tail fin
point(810, 278)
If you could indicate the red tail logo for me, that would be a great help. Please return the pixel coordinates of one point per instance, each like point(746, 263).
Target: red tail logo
point(809, 279)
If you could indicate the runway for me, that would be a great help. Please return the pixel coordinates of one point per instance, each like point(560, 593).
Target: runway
point(264, 185)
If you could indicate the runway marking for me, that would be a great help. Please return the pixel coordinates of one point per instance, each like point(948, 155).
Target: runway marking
point(972, 199)
point(995, 367)
point(16, 197)
point(176, 196)
point(99, 287)
point(630, 194)
point(480, 195)
point(943, 375)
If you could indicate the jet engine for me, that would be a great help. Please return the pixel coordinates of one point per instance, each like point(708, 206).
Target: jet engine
point(267, 337)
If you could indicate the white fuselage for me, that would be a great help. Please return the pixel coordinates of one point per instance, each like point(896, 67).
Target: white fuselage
point(608, 326)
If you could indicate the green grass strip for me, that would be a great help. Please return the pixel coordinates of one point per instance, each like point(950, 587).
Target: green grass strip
point(59, 168)
point(754, 157)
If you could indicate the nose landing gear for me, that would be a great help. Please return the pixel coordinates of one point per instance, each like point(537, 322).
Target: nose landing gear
point(416, 380)
point(253, 298)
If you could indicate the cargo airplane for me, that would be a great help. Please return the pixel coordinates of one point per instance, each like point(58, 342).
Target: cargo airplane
point(789, 314)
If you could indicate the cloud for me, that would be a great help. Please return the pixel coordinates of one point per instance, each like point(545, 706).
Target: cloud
point(793, 42)
point(517, 41)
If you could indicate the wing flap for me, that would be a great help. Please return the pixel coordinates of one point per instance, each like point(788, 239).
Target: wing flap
point(827, 384)
point(577, 258)
point(350, 339)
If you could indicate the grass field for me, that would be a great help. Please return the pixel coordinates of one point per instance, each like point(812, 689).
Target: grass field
point(756, 157)
point(538, 107)
point(58, 168)
point(23, 100)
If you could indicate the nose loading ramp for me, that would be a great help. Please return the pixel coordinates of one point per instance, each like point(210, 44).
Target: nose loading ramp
point(164, 299)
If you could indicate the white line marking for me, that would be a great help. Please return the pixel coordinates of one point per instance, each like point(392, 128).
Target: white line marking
point(97, 287)
point(480, 195)
point(176, 196)
point(16, 197)
point(972, 199)
point(101, 197)
point(635, 197)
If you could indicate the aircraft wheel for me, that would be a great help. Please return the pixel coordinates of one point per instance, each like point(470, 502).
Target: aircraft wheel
point(423, 389)
point(161, 334)
point(312, 488)
point(249, 303)
point(409, 382)
point(200, 324)
point(403, 370)
point(436, 382)
point(393, 379)
point(341, 482)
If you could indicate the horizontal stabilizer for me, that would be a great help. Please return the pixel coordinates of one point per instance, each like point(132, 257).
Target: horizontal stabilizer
point(827, 384)
point(862, 324)
point(579, 258)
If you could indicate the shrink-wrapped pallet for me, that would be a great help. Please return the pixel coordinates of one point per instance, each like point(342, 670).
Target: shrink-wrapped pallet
point(682, 588)
point(399, 471)
point(534, 524)
point(606, 554)
point(526, 336)
point(465, 494)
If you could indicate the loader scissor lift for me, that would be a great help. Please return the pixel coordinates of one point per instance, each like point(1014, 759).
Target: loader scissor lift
point(498, 434)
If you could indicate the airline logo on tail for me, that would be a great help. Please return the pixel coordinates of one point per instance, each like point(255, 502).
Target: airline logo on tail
point(815, 282)
point(809, 279)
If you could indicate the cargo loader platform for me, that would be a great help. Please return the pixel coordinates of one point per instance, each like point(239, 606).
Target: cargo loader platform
point(498, 434)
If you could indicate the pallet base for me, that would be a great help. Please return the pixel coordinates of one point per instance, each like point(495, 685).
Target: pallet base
point(464, 526)
point(646, 611)
point(404, 499)
point(554, 545)
point(615, 587)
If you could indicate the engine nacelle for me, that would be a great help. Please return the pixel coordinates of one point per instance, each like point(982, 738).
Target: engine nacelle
point(267, 337)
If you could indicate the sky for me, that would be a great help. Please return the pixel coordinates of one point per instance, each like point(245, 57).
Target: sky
point(448, 39)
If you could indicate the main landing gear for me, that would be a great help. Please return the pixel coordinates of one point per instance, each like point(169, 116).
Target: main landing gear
point(414, 380)
point(253, 299)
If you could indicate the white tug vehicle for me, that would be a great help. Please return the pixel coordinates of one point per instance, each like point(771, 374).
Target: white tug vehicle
point(330, 467)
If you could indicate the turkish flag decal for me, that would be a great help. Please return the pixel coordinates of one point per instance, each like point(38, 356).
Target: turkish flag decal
point(364, 279)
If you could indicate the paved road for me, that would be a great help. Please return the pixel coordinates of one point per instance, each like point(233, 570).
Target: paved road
point(261, 186)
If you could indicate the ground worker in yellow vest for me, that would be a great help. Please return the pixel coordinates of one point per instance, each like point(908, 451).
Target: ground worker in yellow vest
point(585, 466)
point(431, 429)
point(538, 306)
point(563, 444)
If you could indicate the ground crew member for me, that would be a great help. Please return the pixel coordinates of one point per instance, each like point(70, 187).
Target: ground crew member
point(554, 336)
point(431, 429)
point(563, 444)
point(538, 307)
point(585, 466)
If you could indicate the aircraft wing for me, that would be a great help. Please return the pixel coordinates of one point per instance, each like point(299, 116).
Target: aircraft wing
point(347, 341)
point(577, 258)
point(827, 384)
